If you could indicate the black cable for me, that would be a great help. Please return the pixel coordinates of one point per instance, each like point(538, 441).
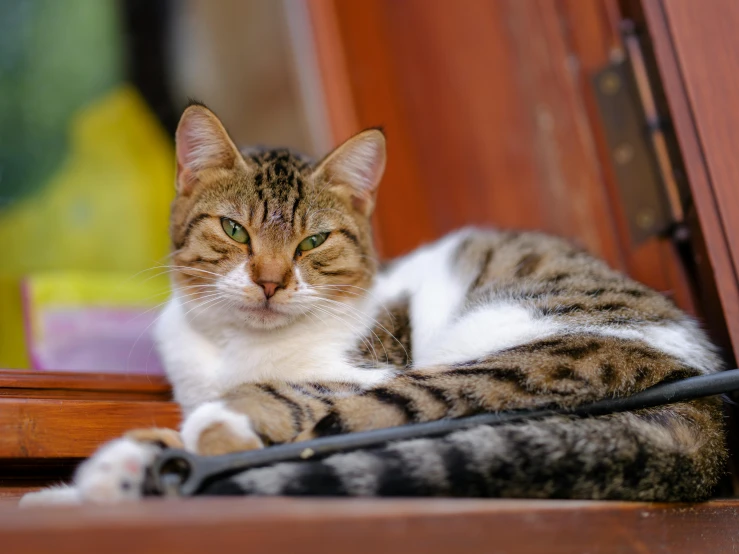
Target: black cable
point(183, 473)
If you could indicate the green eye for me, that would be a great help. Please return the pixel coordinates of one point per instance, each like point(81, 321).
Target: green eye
point(234, 230)
point(312, 241)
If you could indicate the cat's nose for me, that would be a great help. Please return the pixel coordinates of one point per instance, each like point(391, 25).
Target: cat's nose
point(269, 288)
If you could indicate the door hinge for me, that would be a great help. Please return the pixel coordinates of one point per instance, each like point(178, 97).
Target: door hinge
point(636, 143)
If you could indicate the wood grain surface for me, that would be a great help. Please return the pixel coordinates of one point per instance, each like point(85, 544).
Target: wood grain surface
point(49, 421)
point(62, 428)
point(371, 526)
point(69, 384)
point(67, 414)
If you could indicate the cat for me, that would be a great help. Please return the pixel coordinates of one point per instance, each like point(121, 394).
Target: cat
point(282, 327)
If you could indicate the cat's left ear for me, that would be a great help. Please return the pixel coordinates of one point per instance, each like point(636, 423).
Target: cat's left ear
point(202, 144)
point(354, 169)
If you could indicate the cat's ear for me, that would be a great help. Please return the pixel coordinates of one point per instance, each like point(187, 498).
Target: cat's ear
point(202, 144)
point(354, 169)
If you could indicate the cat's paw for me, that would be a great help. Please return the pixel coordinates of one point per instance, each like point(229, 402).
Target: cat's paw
point(63, 495)
point(115, 473)
point(166, 438)
point(214, 429)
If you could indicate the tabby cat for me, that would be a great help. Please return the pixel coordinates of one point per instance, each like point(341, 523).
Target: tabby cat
point(281, 328)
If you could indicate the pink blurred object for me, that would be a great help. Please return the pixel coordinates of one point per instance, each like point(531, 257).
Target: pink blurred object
point(110, 340)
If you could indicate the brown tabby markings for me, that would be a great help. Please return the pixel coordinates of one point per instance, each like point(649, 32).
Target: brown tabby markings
point(285, 205)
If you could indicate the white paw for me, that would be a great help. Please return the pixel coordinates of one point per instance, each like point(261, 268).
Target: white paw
point(115, 473)
point(63, 495)
point(211, 414)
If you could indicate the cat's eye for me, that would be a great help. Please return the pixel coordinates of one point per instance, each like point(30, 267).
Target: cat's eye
point(312, 242)
point(234, 230)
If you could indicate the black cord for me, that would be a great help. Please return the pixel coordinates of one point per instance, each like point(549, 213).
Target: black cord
point(182, 473)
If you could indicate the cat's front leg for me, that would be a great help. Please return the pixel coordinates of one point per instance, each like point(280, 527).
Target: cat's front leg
point(214, 428)
point(253, 413)
point(115, 473)
point(257, 413)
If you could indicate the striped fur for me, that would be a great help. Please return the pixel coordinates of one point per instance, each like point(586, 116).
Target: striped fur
point(481, 320)
point(666, 454)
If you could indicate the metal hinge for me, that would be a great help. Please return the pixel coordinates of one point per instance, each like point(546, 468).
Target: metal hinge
point(636, 143)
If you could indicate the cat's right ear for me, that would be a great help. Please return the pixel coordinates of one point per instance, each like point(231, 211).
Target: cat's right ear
point(202, 145)
point(354, 169)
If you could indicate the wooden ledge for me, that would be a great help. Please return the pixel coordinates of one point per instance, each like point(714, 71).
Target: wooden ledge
point(98, 386)
point(369, 526)
point(68, 415)
point(59, 428)
point(51, 420)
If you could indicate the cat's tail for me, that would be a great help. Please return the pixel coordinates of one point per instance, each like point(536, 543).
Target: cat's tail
point(672, 453)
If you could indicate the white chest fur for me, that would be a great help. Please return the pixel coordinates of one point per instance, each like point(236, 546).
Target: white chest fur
point(205, 359)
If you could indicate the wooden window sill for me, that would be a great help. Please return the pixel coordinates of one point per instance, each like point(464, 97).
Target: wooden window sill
point(369, 526)
point(51, 420)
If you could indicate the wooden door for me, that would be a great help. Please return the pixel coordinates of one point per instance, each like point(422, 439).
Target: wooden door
point(696, 52)
point(491, 120)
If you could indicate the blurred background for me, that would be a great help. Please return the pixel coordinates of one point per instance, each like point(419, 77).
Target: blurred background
point(90, 95)
point(492, 110)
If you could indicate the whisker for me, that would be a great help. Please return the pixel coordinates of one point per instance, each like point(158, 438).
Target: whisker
point(130, 352)
point(380, 325)
point(218, 296)
point(368, 292)
point(366, 328)
point(161, 304)
point(369, 345)
point(182, 269)
point(179, 289)
point(364, 339)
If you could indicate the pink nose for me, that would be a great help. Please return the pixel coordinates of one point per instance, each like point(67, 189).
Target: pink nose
point(269, 288)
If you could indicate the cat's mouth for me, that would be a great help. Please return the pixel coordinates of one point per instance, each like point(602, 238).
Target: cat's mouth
point(264, 309)
point(265, 316)
point(263, 312)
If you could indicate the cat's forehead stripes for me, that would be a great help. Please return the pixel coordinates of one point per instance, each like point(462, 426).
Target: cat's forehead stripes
point(279, 180)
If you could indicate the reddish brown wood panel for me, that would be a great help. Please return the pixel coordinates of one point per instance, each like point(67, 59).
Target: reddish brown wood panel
point(58, 384)
point(43, 428)
point(369, 57)
point(484, 122)
point(333, 69)
point(50, 420)
point(490, 120)
point(706, 45)
point(695, 44)
point(371, 526)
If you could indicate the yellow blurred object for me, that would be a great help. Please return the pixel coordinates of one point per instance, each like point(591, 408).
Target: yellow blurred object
point(107, 207)
point(105, 210)
point(110, 290)
point(12, 345)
